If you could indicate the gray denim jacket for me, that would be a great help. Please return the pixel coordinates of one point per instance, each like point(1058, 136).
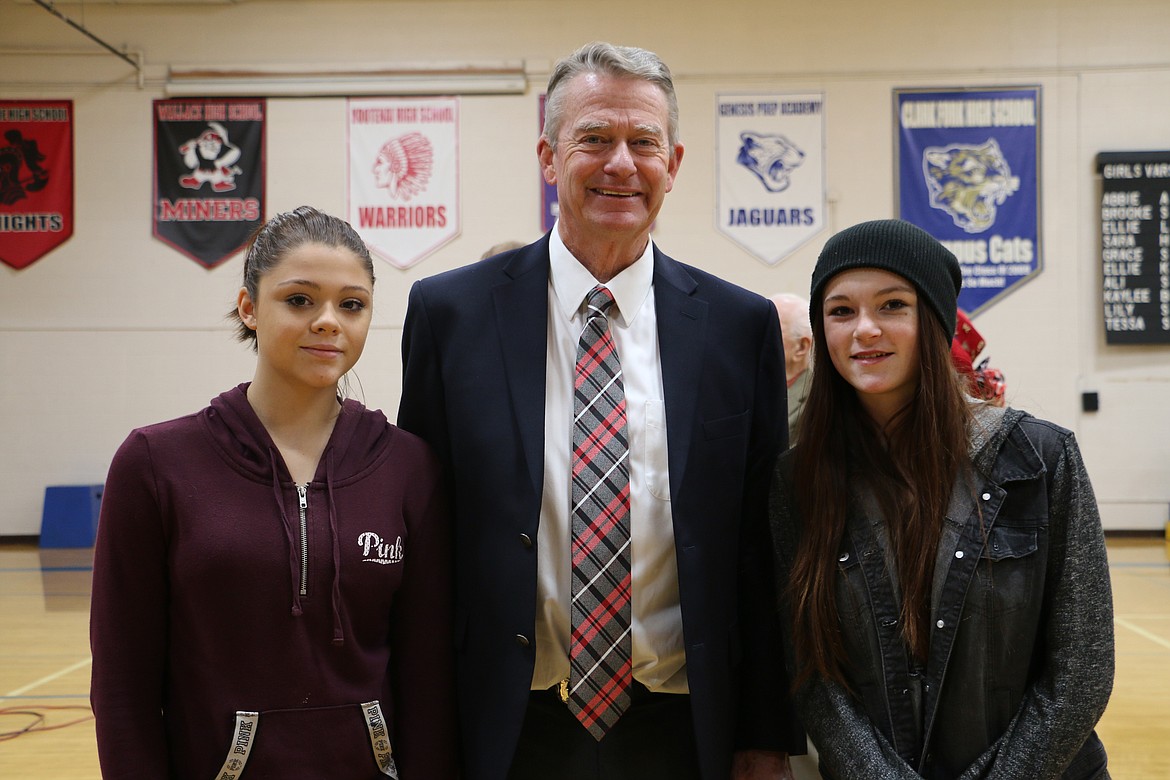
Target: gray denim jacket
point(1020, 664)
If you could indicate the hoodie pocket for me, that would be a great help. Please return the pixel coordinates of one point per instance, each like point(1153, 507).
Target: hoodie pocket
point(350, 740)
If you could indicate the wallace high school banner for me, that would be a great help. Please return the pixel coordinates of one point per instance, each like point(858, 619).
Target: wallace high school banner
point(770, 169)
point(36, 178)
point(404, 174)
point(208, 175)
point(968, 171)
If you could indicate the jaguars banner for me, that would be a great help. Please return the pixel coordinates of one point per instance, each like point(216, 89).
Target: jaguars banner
point(770, 168)
point(36, 178)
point(404, 174)
point(208, 175)
point(968, 172)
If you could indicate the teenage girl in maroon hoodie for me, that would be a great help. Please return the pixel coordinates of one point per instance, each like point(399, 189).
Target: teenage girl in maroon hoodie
point(271, 594)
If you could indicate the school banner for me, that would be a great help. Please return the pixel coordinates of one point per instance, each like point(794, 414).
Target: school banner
point(968, 172)
point(770, 169)
point(404, 174)
point(208, 175)
point(36, 179)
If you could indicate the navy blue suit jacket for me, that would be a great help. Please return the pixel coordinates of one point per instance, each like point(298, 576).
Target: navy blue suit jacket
point(474, 385)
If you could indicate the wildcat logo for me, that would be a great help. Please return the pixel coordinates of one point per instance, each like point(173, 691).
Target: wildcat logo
point(969, 182)
point(376, 550)
point(772, 158)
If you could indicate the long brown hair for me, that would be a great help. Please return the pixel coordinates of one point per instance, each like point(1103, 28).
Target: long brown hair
point(910, 466)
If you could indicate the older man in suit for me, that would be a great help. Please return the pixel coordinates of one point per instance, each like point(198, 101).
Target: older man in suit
point(609, 419)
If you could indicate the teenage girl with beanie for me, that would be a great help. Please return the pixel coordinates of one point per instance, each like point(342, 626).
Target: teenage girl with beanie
point(941, 564)
point(271, 590)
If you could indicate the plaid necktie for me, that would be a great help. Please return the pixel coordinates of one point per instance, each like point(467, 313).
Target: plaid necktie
point(599, 651)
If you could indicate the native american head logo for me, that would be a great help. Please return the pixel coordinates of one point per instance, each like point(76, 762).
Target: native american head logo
point(403, 166)
point(772, 158)
point(968, 182)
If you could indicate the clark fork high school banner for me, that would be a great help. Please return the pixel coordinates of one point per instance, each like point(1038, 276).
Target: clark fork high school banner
point(404, 174)
point(968, 169)
point(36, 178)
point(770, 168)
point(208, 175)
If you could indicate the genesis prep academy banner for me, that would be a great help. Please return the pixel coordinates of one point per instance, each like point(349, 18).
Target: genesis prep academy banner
point(36, 178)
point(968, 170)
point(404, 174)
point(770, 166)
point(208, 175)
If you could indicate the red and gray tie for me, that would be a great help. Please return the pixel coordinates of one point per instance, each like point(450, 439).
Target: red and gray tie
point(599, 651)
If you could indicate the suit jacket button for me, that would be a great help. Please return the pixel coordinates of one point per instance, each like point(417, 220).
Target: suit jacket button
point(522, 640)
point(526, 540)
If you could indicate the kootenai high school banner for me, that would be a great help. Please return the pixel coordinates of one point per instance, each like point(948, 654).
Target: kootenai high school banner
point(36, 179)
point(404, 174)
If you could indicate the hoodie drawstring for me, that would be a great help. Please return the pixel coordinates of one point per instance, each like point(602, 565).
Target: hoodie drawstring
point(290, 534)
point(338, 635)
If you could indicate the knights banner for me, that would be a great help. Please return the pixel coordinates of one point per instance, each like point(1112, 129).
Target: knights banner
point(403, 174)
point(208, 175)
point(770, 168)
point(968, 173)
point(36, 179)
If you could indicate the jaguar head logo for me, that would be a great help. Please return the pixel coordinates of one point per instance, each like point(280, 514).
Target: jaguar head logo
point(771, 157)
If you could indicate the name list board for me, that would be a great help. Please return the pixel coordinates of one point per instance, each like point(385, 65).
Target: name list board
point(1135, 246)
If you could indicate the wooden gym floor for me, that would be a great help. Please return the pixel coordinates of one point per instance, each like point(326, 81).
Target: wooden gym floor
point(47, 733)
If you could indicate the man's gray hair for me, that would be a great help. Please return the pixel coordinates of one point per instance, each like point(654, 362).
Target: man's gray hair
point(619, 61)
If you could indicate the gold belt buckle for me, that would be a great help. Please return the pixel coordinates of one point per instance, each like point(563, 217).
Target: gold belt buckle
point(563, 689)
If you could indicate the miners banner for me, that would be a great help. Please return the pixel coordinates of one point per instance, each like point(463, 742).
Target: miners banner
point(36, 178)
point(208, 175)
point(968, 172)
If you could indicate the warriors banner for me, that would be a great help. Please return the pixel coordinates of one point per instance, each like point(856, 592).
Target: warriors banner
point(36, 179)
point(968, 172)
point(403, 175)
point(209, 175)
point(770, 169)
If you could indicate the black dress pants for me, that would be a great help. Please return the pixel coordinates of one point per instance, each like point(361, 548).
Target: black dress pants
point(653, 740)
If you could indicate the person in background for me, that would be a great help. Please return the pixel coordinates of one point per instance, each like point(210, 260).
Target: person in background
point(608, 419)
point(941, 564)
point(503, 246)
point(271, 581)
point(793, 312)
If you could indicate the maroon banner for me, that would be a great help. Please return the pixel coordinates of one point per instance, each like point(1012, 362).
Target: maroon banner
point(36, 178)
point(208, 175)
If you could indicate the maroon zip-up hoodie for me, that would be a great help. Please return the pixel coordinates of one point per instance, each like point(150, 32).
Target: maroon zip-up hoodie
point(244, 626)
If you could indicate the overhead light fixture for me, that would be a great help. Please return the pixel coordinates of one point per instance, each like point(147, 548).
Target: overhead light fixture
point(348, 80)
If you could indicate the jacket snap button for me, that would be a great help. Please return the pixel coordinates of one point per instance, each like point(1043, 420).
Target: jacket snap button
point(941, 624)
point(522, 640)
point(526, 540)
point(844, 557)
point(986, 496)
point(958, 553)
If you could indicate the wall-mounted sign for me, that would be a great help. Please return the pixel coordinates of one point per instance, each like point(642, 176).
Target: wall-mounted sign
point(1135, 246)
point(404, 174)
point(36, 179)
point(968, 169)
point(208, 175)
point(770, 171)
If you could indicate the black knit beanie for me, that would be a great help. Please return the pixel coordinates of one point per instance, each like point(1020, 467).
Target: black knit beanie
point(901, 248)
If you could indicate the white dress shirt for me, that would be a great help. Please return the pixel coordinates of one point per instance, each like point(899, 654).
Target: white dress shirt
point(659, 659)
